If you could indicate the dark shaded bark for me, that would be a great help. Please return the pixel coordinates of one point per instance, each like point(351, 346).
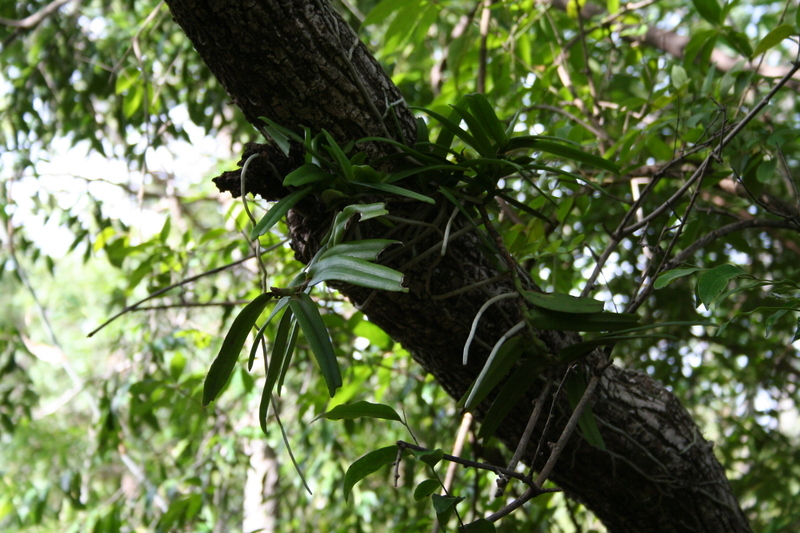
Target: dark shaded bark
point(286, 60)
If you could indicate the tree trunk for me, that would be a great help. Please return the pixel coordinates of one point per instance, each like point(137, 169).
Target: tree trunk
point(288, 60)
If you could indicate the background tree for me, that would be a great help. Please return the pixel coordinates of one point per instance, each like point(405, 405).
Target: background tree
point(659, 117)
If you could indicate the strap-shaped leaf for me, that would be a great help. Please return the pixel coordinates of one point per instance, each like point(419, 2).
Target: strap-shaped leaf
point(484, 112)
point(223, 364)
point(316, 334)
point(399, 191)
point(356, 271)
point(368, 249)
point(575, 387)
point(366, 465)
point(289, 352)
point(305, 174)
point(534, 142)
point(518, 383)
point(605, 321)
point(425, 158)
point(280, 135)
point(452, 129)
point(482, 143)
point(365, 212)
point(563, 302)
point(505, 353)
point(276, 363)
point(338, 155)
point(361, 409)
point(277, 212)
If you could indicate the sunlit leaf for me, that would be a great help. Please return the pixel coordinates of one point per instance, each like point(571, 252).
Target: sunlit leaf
point(357, 272)
point(773, 38)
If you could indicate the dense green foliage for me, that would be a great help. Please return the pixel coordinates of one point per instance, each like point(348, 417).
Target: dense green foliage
point(109, 433)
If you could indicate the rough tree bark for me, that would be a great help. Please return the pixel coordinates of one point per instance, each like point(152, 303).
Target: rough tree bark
point(298, 63)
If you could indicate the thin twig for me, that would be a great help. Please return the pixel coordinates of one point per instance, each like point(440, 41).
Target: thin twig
point(469, 463)
point(181, 283)
point(526, 437)
point(569, 429)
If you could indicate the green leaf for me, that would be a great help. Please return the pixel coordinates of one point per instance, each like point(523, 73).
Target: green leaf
point(430, 457)
point(513, 390)
point(709, 10)
point(316, 334)
point(774, 38)
point(605, 321)
point(366, 465)
point(280, 352)
point(563, 302)
point(766, 170)
point(669, 276)
point(534, 142)
point(132, 100)
point(367, 249)
point(399, 191)
point(481, 525)
point(289, 351)
point(505, 353)
point(305, 174)
point(426, 488)
point(357, 272)
point(360, 410)
point(770, 321)
point(365, 212)
point(223, 364)
point(738, 41)
point(444, 506)
point(484, 112)
point(277, 212)
point(679, 77)
point(712, 282)
point(482, 143)
point(575, 387)
point(280, 135)
point(338, 155)
point(453, 129)
point(382, 11)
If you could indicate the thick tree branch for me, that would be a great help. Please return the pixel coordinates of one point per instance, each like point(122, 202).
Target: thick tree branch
point(279, 60)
